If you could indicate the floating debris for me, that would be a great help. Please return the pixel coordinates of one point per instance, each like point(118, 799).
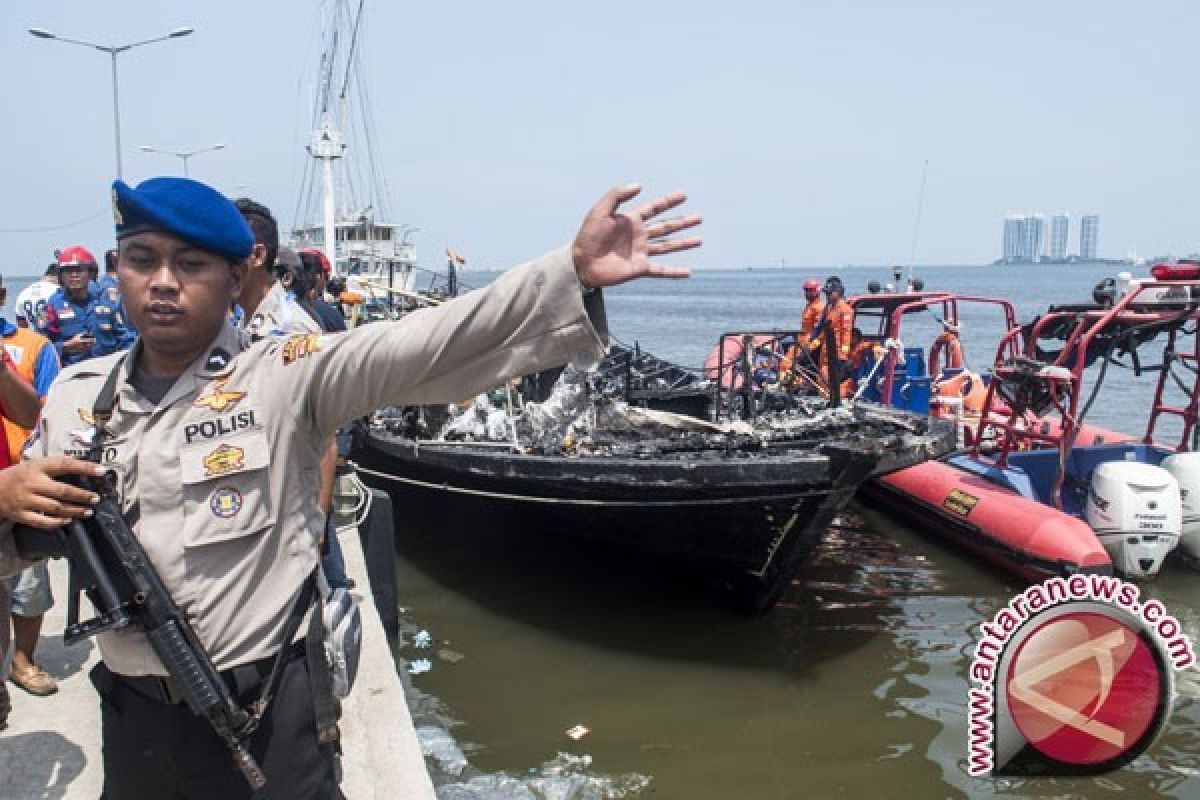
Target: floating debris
point(420, 666)
point(578, 732)
point(422, 640)
point(438, 744)
point(566, 777)
point(453, 656)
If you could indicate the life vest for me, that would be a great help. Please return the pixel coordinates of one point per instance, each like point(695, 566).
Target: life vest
point(965, 387)
point(23, 348)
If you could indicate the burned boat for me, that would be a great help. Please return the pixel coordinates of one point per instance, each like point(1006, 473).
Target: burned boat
point(602, 458)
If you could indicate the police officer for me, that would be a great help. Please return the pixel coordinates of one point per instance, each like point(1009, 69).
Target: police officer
point(216, 443)
point(267, 307)
point(80, 323)
point(109, 293)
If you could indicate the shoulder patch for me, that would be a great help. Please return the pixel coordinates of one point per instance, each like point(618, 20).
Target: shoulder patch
point(301, 346)
point(219, 358)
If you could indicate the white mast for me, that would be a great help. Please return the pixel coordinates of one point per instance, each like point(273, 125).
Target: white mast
point(327, 144)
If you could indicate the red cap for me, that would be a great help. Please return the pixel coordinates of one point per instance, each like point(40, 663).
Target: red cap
point(322, 259)
point(811, 285)
point(75, 255)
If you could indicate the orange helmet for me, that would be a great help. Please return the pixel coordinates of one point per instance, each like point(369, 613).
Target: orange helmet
point(75, 255)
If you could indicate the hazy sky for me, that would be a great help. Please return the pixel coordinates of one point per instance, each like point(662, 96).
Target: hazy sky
point(798, 128)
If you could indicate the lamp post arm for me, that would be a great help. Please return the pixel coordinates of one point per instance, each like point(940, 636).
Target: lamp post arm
point(101, 47)
point(116, 115)
point(131, 45)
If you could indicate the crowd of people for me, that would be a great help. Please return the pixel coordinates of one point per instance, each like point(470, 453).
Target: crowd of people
point(828, 346)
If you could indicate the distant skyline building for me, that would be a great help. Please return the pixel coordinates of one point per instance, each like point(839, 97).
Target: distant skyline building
point(1013, 238)
point(1089, 237)
point(1035, 238)
point(1059, 227)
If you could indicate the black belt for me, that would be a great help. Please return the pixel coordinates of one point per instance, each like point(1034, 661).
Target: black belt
point(240, 679)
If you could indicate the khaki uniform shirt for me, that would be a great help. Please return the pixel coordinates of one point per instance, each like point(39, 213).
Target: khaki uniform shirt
point(219, 480)
point(279, 313)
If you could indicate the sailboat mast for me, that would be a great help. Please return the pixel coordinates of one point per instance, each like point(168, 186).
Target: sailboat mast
point(912, 256)
point(327, 144)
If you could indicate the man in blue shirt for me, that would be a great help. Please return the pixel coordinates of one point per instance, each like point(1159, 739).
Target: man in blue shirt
point(80, 323)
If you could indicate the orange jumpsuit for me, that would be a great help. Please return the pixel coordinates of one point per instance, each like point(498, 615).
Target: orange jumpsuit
point(808, 323)
point(947, 341)
point(858, 367)
point(810, 318)
point(840, 317)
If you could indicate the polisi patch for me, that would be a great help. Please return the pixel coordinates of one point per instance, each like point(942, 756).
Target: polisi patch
point(224, 460)
point(87, 416)
point(225, 502)
point(301, 346)
point(216, 398)
point(221, 426)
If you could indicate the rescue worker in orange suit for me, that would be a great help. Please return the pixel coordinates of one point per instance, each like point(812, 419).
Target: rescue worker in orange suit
point(864, 355)
point(947, 343)
point(807, 343)
point(814, 307)
point(839, 319)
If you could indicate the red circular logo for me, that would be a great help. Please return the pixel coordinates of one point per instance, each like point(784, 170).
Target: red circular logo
point(1085, 689)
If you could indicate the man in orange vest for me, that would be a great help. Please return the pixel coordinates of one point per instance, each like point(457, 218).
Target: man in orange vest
point(835, 327)
point(31, 366)
point(800, 353)
point(814, 306)
point(864, 354)
point(839, 316)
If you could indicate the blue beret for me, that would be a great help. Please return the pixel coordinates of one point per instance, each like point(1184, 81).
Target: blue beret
point(194, 212)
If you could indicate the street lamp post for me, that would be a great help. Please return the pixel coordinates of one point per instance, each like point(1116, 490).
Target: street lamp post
point(183, 155)
point(113, 51)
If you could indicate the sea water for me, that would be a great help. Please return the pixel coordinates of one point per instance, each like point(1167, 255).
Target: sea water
point(569, 674)
point(854, 686)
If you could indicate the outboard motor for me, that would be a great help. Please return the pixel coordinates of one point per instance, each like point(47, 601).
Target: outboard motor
point(1185, 467)
point(1105, 293)
point(1135, 511)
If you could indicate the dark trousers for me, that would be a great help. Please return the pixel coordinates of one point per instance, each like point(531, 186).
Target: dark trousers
point(160, 751)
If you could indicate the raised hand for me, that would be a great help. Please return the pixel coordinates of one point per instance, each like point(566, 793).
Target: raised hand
point(615, 246)
point(31, 495)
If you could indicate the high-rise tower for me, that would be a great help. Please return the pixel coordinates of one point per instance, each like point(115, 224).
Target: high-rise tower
point(1059, 226)
point(1089, 237)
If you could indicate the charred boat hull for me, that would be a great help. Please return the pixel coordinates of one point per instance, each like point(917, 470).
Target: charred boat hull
point(747, 521)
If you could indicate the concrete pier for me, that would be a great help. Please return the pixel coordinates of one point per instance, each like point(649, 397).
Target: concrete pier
point(51, 748)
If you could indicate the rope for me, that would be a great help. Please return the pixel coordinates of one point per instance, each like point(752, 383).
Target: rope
point(362, 509)
point(571, 501)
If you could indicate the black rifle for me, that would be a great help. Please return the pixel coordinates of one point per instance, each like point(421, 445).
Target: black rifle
point(108, 564)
